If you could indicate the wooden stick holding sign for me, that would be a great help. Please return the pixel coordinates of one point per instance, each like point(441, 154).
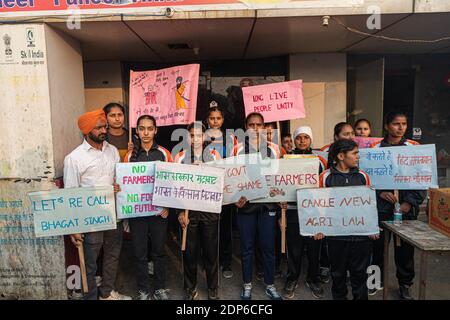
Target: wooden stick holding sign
point(183, 242)
point(283, 230)
point(397, 239)
point(83, 268)
point(283, 211)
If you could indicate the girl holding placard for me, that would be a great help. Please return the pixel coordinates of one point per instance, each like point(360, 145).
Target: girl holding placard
point(257, 218)
point(146, 149)
point(202, 227)
point(395, 125)
point(347, 253)
point(303, 139)
point(224, 144)
point(342, 130)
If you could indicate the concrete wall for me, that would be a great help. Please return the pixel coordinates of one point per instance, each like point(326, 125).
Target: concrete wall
point(65, 73)
point(330, 70)
point(25, 117)
point(103, 83)
point(42, 95)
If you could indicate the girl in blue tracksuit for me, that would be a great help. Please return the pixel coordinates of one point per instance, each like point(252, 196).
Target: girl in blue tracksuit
point(350, 253)
point(257, 218)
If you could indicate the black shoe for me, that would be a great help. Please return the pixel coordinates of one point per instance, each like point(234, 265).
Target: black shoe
point(227, 273)
point(289, 288)
point(213, 294)
point(403, 292)
point(316, 289)
point(190, 294)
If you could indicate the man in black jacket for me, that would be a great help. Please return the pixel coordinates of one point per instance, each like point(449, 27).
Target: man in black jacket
point(409, 200)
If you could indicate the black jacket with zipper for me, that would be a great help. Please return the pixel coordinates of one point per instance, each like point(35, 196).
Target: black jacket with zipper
point(334, 178)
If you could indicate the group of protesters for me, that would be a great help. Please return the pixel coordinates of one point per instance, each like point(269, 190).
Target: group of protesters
point(210, 235)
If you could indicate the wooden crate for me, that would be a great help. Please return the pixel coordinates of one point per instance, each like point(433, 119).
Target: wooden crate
point(439, 214)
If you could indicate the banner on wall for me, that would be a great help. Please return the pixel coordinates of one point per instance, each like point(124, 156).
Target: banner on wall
point(61, 7)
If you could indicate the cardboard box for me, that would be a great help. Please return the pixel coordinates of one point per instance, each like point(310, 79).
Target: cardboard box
point(439, 214)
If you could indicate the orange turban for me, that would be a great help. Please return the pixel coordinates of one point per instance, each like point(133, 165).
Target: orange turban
point(88, 121)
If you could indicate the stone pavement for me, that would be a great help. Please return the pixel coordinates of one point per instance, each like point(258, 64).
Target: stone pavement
point(438, 286)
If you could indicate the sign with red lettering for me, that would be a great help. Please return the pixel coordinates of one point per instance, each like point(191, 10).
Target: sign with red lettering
point(285, 176)
point(136, 182)
point(401, 168)
point(189, 187)
point(276, 101)
point(340, 211)
point(243, 178)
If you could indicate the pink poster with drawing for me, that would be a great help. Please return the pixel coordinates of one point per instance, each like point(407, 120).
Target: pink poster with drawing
point(276, 101)
point(170, 95)
point(366, 142)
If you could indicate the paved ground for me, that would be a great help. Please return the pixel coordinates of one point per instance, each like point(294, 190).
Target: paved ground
point(438, 286)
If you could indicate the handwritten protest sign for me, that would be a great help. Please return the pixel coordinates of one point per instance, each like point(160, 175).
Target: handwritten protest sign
point(340, 211)
point(288, 175)
point(243, 178)
point(276, 101)
point(136, 182)
point(188, 187)
point(401, 168)
point(366, 142)
point(170, 95)
point(74, 210)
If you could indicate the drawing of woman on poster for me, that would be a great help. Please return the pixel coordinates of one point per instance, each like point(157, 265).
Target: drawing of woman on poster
point(150, 95)
point(179, 91)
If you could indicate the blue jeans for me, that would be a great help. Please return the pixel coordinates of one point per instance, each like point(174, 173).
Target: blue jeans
point(263, 223)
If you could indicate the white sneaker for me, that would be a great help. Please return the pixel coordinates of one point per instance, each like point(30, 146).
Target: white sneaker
point(151, 270)
point(114, 295)
point(98, 281)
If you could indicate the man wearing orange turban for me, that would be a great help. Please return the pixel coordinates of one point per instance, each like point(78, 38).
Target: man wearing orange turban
point(92, 164)
point(88, 121)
